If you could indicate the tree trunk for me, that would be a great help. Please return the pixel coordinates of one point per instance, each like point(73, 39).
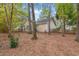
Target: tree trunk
point(49, 18)
point(29, 19)
point(10, 30)
point(5, 9)
point(9, 19)
point(77, 34)
point(63, 27)
point(63, 33)
point(33, 23)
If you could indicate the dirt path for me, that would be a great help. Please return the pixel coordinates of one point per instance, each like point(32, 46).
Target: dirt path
point(45, 45)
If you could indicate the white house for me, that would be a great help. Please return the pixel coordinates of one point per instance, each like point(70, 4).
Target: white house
point(42, 24)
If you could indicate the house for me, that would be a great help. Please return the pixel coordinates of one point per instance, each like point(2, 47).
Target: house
point(42, 24)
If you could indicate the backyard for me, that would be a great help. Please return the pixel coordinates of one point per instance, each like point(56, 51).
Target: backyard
point(39, 29)
point(53, 44)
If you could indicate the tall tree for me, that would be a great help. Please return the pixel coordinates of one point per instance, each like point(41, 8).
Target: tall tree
point(63, 17)
point(29, 18)
point(33, 23)
point(77, 34)
point(9, 17)
point(63, 12)
point(49, 18)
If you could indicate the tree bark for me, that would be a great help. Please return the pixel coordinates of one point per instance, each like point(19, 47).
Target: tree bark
point(5, 9)
point(29, 19)
point(63, 27)
point(49, 18)
point(77, 33)
point(9, 19)
point(33, 23)
point(63, 33)
point(10, 31)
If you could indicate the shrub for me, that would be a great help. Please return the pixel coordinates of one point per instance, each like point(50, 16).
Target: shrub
point(13, 41)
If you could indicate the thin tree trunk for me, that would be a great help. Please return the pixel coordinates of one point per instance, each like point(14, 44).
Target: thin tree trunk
point(5, 9)
point(63, 27)
point(77, 34)
point(9, 19)
point(63, 34)
point(10, 31)
point(33, 23)
point(29, 19)
point(49, 18)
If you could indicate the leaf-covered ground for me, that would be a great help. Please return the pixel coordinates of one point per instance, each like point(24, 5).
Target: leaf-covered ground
point(45, 45)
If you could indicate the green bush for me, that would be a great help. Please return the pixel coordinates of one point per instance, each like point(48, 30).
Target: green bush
point(13, 41)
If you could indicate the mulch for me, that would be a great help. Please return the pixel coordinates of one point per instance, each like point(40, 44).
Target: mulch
point(46, 45)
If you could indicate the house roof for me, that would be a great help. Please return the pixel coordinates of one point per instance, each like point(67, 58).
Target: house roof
point(44, 21)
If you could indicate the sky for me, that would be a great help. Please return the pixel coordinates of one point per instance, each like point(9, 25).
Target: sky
point(38, 9)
